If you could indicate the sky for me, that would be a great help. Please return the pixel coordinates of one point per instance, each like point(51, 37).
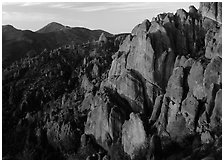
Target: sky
point(114, 17)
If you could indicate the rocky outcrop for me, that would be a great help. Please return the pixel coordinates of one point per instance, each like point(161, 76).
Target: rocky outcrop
point(133, 135)
point(141, 53)
point(188, 105)
point(86, 84)
point(103, 38)
point(129, 86)
point(106, 117)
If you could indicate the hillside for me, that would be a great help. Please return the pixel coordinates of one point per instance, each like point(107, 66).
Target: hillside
point(16, 44)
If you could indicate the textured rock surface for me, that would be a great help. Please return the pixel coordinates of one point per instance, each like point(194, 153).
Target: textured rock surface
point(175, 86)
point(212, 10)
point(177, 128)
point(214, 44)
point(141, 52)
point(105, 119)
point(212, 73)
point(190, 110)
point(133, 135)
point(195, 80)
point(129, 86)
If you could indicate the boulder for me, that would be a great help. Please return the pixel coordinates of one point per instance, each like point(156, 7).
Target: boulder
point(133, 135)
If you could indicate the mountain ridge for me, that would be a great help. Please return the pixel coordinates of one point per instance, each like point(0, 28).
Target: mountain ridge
point(16, 43)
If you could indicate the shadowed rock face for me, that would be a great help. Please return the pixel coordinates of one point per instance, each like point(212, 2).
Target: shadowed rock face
point(130, 87)
point(155, 93)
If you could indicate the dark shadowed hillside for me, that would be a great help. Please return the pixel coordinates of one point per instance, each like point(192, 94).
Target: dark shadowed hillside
point(17, 44)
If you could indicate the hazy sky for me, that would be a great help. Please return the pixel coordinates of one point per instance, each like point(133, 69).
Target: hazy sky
point(114, 17)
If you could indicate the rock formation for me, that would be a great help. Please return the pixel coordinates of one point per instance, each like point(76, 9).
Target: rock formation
point(105, 120)
point(155, 93)
point(133, 135)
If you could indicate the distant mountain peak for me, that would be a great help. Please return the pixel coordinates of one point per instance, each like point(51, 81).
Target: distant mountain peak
point(52, 27)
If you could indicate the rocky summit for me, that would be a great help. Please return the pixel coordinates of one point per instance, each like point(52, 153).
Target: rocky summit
point(154, 93)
